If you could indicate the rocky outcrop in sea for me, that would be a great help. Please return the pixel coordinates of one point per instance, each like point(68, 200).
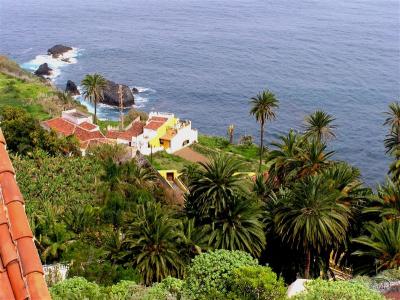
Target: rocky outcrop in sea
point(43, 70)
point(58, 50)
point(71, 88)
point(111, 96)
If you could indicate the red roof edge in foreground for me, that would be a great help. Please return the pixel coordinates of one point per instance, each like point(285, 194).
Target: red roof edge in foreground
point(21, 272)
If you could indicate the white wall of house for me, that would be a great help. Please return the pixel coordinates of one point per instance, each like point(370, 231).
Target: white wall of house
point(186, 135)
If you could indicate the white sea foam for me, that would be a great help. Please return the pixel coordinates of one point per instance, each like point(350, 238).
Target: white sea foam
point(144, 89)
point(69, 57)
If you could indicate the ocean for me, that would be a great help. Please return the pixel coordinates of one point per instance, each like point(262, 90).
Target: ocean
point(204, 59)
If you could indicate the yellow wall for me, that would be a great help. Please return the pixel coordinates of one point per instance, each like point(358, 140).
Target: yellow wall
point(155, 142)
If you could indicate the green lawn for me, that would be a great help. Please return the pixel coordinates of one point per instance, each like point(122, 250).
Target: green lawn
point(248, 154)
point(165, 161)
point(16, 92)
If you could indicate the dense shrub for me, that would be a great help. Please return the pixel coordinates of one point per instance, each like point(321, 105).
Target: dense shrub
point(210, 273)
point(257, 282)
point(75, 288)
point(334, 290)
point(24, 134)
point(125, 290)
point(64, 182)
point(166, 289)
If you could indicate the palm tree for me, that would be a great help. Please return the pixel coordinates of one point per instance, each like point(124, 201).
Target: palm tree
point(382, 244)
point(283, 162)
point(393, 119)
point(394, 168)
point(311, 219)
point(313, 157)
point(152, 241)
point(239, 227)
point(386, 204)
point(319, 125)
point(392, 141)
point(193, 239)
point(139, 177)
point(214, 185)
point(262, 108)
point(93, 86)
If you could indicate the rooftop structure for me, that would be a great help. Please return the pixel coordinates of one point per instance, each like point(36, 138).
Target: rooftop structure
point(21, 272)
point(73, 122)
point(132, 131)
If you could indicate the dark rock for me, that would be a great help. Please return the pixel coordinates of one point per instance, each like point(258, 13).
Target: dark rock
point(71, 88)
point(135, 90)
point(111, 96)
point(43, 70)
point(58, 50)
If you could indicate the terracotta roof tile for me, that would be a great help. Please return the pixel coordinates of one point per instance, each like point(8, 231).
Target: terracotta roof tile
point(10, 188)
point(60, 125)
point(21, 272)
point(30, 264)
point(2, 139)
point(85, 135)
point(133, 131)
point(5, 162)
point(87, 126)
point(158, 119)
point(5, 286)
point(19, 223)
point(153, 125)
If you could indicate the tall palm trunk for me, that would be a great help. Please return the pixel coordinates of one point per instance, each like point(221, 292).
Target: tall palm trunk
point(262, 144)
point(95, 112)
point(307, 265)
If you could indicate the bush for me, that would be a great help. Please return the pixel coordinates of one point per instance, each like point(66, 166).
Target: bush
point(210, 273)
point(125, 290)
point(335, 290)
point(381, 282)
point(257, 282)
point(167, 288)
point(75, 288)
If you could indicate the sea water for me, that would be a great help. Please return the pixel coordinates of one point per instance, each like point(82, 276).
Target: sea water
point(204, 59)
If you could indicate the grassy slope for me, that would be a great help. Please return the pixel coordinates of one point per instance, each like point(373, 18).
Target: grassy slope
point(165, 161)
point(249, 155)
point(17, 92)
point(208, 145)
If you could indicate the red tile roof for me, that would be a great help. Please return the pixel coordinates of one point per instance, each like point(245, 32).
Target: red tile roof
point(88, 126)
point(61, 125)
point(83, 132)
point(153, 125)
point(21, 272)
point(133, 131)
point(85, 135)
point(95, 142)
point(158, 119)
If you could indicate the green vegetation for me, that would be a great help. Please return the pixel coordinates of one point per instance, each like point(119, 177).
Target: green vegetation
point(247, 153)
point(25, 135)
point(111, 221)
point(16, 92)
point(334, 290)
point(257, 282)
point(165, 161)
point(93, 86)
point(209, 274)
point(263, 109)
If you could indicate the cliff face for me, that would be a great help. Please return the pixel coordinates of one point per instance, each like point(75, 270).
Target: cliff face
point(111, 96)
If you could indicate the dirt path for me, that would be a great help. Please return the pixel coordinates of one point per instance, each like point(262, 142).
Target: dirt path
point(191, 155)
